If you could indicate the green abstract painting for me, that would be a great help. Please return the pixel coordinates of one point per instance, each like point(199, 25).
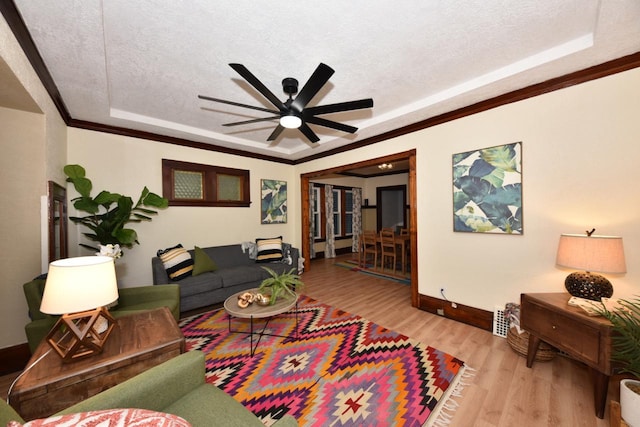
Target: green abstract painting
point(487, 190)
point(273, 202)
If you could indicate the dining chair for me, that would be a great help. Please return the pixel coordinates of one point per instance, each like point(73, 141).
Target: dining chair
point(388, 248)
point(407, 250)
point(369, 246)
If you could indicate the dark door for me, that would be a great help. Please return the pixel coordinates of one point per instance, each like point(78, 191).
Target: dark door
point(391, 207)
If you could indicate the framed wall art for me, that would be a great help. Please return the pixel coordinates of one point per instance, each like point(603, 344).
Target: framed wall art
point(273, 201)
point(487, 190)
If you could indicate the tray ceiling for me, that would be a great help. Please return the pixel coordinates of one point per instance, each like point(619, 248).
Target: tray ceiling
point(141, 64)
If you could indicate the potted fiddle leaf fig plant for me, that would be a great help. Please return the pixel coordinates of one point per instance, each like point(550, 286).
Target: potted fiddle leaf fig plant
point(626, 351)
point(280, 285)
point(108, 214)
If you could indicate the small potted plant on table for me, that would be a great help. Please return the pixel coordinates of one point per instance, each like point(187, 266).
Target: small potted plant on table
point(626, 351)
point(280, 285)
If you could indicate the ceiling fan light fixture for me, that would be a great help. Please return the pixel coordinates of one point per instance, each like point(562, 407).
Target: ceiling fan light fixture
point(290, 121)
point(385, 166)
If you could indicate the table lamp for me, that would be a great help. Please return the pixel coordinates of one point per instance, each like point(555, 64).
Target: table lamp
point(589, 252)
point(78, 289)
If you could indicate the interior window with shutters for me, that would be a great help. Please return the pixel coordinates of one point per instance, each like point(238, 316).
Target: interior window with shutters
point(194, 184)
point(348, 213)
point(337, 209)
point(317, 212)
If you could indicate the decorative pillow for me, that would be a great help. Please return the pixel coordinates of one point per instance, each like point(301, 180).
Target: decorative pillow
point(269, 250)
point(109, 417)
point(202, 262)
point(177, 262)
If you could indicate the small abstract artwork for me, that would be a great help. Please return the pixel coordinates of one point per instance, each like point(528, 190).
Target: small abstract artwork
point(273, 202)
point(487, 190)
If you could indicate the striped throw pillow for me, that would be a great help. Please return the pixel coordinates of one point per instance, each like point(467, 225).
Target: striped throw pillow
point(177, 262)
point(269, 250)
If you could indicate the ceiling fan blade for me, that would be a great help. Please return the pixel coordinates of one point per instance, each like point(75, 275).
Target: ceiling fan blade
point(253, 81)
point(237, 104)
point(246, 122)
point(331, 124)
point(276, 133)
point(306, 130)
point(318, 79)
point(341, 106)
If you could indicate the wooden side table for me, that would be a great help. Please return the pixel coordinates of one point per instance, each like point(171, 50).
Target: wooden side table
point(137, 343)
point(548, 317)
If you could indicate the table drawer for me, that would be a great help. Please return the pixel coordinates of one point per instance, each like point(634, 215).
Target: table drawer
point(563, 331)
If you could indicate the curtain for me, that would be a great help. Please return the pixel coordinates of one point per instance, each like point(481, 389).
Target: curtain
point(357, 219)
point(312, 233)
point(329, 244)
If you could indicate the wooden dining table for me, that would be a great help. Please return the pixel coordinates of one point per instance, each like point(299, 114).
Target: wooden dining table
point(402, 240)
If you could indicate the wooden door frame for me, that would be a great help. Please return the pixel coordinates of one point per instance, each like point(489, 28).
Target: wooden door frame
point(412, 198)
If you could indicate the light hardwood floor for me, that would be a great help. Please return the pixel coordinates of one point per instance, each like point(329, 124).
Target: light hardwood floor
point(504, 392)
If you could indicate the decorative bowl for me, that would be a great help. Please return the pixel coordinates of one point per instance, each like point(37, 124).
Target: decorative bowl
point(261, 299)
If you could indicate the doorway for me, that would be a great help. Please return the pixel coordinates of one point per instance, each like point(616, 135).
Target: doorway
point(409, 156)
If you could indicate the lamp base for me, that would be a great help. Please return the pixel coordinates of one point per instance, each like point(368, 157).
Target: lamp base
point(79, 335)
point(584, 284)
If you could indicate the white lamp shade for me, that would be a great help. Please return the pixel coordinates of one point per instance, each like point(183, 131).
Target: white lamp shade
point(79, 284)
point(604, 254)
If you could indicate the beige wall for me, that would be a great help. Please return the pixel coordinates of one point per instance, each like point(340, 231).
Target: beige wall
point(33, 151)
point(580, 151)
point(22, 177)
point(125, 165)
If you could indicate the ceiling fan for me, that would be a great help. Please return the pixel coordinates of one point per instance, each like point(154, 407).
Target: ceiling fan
point(294, 113)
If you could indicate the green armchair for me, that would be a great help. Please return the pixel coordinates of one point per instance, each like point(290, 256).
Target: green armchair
point(130, 300)
point(177, 387)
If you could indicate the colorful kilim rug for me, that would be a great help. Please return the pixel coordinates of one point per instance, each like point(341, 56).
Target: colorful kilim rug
point(342, 370)
point(353, 266)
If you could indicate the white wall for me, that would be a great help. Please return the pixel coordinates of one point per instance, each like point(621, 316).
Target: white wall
point(33, 146)
point(125, 165)
point(371, 185)
point(22, 138)
point(580, 148)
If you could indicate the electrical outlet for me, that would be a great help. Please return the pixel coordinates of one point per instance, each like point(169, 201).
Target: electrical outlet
point(440, 312)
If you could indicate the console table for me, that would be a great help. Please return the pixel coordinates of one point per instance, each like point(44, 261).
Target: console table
point(137, 343)
point(548, 317)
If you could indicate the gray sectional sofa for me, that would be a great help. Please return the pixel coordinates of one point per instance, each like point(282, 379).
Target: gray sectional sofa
point(236, 271)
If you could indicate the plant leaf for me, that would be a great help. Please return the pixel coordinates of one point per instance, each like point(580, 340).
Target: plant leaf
point(74, 171)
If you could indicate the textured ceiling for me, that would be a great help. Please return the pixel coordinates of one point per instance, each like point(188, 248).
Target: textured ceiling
point(141, 64)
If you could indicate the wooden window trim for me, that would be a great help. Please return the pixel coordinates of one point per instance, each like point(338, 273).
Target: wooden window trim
point(209, 184)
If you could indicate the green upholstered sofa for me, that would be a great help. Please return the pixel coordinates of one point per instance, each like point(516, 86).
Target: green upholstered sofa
point(177, 387)
point(130, 300)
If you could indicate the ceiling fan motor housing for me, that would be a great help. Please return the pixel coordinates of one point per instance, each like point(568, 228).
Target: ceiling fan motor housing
point(290, 86)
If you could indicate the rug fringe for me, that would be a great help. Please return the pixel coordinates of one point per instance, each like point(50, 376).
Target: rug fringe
point(444, 411)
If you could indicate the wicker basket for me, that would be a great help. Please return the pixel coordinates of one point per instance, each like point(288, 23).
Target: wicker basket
point(520, 343)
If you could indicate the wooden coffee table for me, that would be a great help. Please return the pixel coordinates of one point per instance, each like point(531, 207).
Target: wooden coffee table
point(256, 311)
point(137, 343)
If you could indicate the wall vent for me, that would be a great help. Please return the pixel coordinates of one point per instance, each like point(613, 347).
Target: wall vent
point(500, 322)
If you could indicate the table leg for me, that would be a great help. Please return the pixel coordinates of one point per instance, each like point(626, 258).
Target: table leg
point(532, 349)
point(262, 332)
point(601, 387)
